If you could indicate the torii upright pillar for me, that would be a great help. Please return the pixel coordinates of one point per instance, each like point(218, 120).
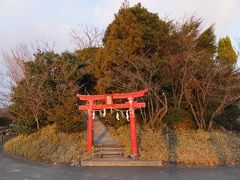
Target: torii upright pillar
point(90, 127)
point(133, 128)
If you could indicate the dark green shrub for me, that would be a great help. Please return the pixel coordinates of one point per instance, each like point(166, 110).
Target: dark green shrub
point(70, 125)
point(228, 119)
point(25, 126)
point(67, 117)
point(4, 121)
point(176, 115)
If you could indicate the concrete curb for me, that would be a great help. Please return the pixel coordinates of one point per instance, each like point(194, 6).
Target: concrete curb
point(143, 163)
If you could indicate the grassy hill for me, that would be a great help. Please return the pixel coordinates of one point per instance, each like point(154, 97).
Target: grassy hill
point(186, 147)
point(49, 146)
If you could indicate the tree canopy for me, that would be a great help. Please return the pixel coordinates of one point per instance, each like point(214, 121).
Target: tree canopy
point(47, 92)
point(134, 31)
point(226, 53)
point(186, 72)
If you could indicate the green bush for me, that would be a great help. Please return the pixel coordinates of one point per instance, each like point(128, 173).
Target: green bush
point(4, 121)
point(25, 126)
point(70, 125)
point(229, 117)
point(67, 117)
point(176, 115)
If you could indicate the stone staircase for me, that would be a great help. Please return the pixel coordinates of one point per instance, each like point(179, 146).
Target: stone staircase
point(107, 152)
point(110, 151)
point(105, 147)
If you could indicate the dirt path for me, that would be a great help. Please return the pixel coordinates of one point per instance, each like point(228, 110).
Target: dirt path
point(101, 134)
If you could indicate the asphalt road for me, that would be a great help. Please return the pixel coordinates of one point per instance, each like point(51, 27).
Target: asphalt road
point(17, 169)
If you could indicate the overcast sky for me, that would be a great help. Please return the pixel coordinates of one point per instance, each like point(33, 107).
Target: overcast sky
point(24, 21)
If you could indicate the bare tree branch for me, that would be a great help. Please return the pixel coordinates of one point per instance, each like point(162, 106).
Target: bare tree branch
point(87, 37)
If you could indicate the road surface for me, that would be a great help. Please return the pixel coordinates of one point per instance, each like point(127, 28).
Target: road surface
point(17, 169)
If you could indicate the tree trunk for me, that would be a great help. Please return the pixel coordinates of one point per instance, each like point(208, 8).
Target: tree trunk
point(37, 122)
point(210, 124)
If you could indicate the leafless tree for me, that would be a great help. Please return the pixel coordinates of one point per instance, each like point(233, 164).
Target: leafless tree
point(14, 64)
point(132, 75)
point(43, 44)
point(14, 61)
point(196, 84)
point(86, 37)
point(4, 90)
point(205, 87)
point(31, 95)
point(179, 71)
point(208, 97)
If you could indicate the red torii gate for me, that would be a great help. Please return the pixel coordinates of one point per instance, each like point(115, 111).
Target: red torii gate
point(108, 100)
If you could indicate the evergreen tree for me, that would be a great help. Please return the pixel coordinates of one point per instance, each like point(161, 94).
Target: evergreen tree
point(48, 91)
point(226, 53)
point(134, 32)
point(206, 41)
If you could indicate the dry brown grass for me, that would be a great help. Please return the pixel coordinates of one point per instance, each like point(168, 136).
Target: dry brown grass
point(49, 146)
point(186, 147)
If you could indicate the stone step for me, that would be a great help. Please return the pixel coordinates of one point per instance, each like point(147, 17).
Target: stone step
point(108, 152)
point(107, 146)
point(108, 149)
point(102, 153)
point(120, 162)
point(112, 159)
point(107, 156)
